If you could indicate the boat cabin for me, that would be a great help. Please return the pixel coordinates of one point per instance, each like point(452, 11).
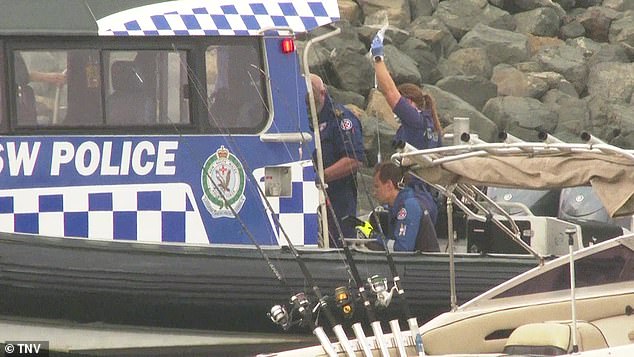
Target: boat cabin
point(157, 121)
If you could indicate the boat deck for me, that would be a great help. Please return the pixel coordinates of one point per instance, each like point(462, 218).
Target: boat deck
point(96, 339)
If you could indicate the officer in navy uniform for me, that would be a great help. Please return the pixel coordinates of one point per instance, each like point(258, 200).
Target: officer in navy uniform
point(409, 226)
point(342, 153)
point(420, 125)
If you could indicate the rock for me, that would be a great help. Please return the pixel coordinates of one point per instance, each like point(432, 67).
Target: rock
point(461, 16)
point(350, 11)
point(556, 81)
point(422, 7)
point(515, 6)
point(501, 46)
point(596, 21)
point(536, 43)
point(573, 113)
point(402, 67)
point(601, 52)
point(450, 106)
point(572, 30)
point(622, 30)
point(521, 116)
point(612, 80)
point(348, 39)
point(397, 10)
point(512, 82)
point(346, 97)
point(433, 32)
point(378, 108)
point(619, 5)
point(569, 61)
point(475, 90)
point(540, 22)
point(467, 61)
point(426, 60)
point(350, 71)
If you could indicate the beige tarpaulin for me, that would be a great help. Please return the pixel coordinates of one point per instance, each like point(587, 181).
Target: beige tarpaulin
point(612, 178)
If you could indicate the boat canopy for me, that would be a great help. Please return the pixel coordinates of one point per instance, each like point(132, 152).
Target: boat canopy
point(163, 18)
point(608, 169)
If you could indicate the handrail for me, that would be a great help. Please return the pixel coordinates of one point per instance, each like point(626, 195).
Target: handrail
point(315, 122)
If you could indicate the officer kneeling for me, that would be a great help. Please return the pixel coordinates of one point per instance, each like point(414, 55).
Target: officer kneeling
point(409, 225)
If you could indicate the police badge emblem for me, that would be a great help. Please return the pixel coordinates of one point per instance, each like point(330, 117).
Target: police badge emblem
point(223, 184)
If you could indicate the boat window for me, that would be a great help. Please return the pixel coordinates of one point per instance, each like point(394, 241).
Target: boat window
point(41, 92)
point(236, 87)
point(613, 265)
point(90, 87)
point(146, 88)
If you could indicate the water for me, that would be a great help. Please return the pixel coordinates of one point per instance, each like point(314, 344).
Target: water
point(66, 338)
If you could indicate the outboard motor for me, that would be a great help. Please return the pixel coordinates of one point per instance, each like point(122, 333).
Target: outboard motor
point(539, 202)
point(580, 205)
point(486, 237)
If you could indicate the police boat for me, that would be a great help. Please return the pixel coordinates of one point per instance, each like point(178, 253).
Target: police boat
point(155, 169)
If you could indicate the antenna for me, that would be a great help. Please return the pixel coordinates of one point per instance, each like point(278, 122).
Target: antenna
point(571, 232)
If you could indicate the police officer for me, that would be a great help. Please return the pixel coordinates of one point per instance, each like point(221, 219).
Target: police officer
point(410, 227)
point(343, 155)
point(420, 126)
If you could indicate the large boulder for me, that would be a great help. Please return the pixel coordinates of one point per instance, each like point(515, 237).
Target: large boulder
point(433, 32)
point(467, 61)
point(402, 67)
point(500, 45)
point(540, 22)
point(569, 61)
point(619, 5)
point(398, 11)
point(573, 113)
point(597, 20)
point(450, 106)
point(461, 16)
point(622, 30)
point(512, 82)
point(350, 71)
point(612, 80)
point(475, 90)
point(521, 116)
point(426, 60)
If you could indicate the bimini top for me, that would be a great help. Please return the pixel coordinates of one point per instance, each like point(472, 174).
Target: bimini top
point(163, 18)
point(608, 169)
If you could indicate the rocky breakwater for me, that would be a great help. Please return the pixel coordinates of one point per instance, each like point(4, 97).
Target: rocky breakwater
point(564, 66)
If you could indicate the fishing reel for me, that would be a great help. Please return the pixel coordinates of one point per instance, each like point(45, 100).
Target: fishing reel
point(344, 301)
point(280, 316)
point(299, 305)
point(378, 285)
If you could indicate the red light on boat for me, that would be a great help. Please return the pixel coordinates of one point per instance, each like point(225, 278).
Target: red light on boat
point(288, 45)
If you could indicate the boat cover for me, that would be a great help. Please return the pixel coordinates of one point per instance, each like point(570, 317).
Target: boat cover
point(612, 177)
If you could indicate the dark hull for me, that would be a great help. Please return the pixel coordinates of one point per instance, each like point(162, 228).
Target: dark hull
point(210, 287)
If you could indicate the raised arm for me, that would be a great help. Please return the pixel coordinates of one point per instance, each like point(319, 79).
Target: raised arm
point(386, 83)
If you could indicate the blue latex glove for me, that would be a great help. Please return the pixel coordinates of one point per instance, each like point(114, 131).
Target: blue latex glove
point(376, 48)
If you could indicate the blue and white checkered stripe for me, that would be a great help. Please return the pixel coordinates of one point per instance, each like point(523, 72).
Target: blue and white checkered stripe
point(146, 213)
point(297, 214)
point(219, 17)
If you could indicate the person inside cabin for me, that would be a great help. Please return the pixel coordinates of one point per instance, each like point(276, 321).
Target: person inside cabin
point(25, 77)
point(409, 225)
point(416, 109)
point(343, 154)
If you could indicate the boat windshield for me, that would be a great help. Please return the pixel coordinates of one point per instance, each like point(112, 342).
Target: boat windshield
point(613, 265)
point(143, 84)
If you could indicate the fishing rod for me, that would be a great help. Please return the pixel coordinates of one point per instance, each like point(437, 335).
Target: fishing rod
point(360, 285)
point(382, 294)
point(299, 300)
point(341, 294)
